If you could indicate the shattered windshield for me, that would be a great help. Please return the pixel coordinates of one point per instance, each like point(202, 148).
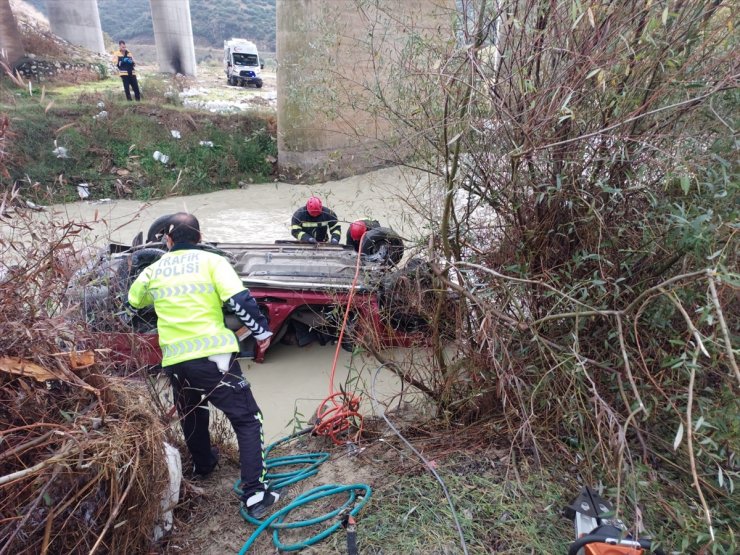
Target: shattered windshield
point(245, 59)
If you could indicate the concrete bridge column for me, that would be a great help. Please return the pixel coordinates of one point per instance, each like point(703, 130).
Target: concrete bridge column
point(77, 21)
point(332, 55)
point(11, 45)
point(173, 35)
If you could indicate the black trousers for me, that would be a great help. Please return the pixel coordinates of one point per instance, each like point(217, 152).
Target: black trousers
point(129, 81)
point(197, 382)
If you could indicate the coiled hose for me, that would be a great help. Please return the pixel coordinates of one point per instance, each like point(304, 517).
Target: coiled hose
point(357, 496)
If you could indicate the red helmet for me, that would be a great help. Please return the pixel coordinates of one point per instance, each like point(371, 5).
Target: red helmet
point(314, 206)
point(356, 230)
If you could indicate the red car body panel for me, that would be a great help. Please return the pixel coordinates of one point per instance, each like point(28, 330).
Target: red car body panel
point(142, 349)
point(284, 278)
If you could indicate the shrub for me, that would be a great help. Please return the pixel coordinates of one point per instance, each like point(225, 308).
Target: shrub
point(586, 225)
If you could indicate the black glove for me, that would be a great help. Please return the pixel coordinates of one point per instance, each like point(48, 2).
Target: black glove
point(334, 241)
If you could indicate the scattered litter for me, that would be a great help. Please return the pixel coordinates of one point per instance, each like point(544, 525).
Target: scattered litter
point(59, 151)
point(83, 189)
point(206, 143)
point(104, 201)
point(175, 134)
point(160, 157)
point(101, 105)
point(101, 115)
point(194, 92)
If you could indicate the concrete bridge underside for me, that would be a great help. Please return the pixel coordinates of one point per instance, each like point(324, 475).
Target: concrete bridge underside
point(333, 58)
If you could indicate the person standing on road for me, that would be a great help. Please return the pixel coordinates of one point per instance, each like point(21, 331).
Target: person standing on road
point(188, 288)
point(124, 61)
point(315, 223)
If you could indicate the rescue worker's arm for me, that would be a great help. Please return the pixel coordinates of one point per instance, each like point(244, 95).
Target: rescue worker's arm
point(335, 230)
point(139, 295)
point(296, 229)
point(247, 310)
point(231, 291)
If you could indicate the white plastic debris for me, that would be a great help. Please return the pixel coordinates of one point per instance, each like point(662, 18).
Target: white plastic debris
point(59, 151)
point(160, 157)
point(171, 495)
point(83, 189)
point(175, 133)
point(101, 115)
point(206, 143)
point(101, 105)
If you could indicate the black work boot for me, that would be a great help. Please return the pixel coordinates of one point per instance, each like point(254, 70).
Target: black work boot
point(258, 503)
point(203, 473)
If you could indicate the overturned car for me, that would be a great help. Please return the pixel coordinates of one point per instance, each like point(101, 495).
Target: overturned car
point(301, 288)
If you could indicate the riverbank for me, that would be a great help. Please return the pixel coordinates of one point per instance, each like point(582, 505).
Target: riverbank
point(84, 141)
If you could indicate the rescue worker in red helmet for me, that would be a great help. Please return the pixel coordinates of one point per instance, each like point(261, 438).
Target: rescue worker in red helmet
point(357, 229)
point(315, 223)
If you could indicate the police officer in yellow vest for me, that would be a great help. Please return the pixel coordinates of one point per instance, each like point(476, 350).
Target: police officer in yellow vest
point(188, 288)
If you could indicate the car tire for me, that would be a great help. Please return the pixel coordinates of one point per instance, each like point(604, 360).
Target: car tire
point(157, 229)
point(144, 319)
point(385, 240)
point(132, 265)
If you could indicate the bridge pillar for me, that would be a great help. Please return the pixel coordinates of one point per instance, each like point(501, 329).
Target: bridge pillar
point(332, 56)
point(173, 35)
point(77, 22)
point(11, 44)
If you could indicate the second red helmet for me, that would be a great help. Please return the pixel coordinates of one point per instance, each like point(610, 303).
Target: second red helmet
point(356, 229)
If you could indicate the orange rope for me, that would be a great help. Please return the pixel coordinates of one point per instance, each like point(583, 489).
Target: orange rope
point(335, 412)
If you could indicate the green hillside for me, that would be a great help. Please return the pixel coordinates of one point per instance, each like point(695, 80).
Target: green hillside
point(213, 20)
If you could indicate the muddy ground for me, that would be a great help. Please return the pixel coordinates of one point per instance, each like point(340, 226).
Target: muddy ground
point(209, 522)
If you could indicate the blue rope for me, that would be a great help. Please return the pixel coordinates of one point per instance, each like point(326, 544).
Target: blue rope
point(357, 496)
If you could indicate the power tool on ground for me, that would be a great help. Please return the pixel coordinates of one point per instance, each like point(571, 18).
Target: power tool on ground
point(598, 533)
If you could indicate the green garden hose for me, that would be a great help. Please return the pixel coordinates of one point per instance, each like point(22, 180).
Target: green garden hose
point(357, 496)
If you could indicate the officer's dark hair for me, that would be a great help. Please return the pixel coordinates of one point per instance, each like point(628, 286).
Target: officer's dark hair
point(183, 228)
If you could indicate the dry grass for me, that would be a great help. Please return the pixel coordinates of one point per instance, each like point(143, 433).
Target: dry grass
point(82, 464)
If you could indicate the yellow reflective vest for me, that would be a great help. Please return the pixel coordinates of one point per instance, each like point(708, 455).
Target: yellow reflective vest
point(188, 288)
point(116, 58)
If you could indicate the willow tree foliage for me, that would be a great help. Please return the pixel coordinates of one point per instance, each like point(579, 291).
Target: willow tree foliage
point(584, 238)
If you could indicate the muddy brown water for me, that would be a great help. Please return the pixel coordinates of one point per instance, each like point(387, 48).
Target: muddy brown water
point(292, 381)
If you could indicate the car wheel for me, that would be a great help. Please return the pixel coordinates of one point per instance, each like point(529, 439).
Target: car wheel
point(158, 228)
point(383, 243)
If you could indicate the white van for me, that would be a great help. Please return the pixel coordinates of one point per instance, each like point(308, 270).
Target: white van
point(242, 63)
